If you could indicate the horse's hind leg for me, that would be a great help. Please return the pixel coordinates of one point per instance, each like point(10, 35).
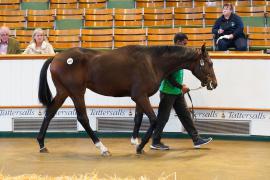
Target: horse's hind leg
point(50, 113)
point(137, 124)
point(83, 119)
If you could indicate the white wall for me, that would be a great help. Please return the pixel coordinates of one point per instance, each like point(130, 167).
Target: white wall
point(241, 84)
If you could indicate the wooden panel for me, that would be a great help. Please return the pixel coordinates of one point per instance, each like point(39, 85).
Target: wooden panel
point(12, 13)
point(150, 3)
point(40, 24)
point(265, 43)
point(96, 38)
point(64, 32)
point(158, 17)
point(13, 25)
point(64, 39)
point(12, 18)
point(97, 44)
point(159, 23)
point(160, 37)
point(10, 4)
point(258, 30)
point(65, 45)
point(176, 3)
point(97, 31)
point(92, 3)
point(208, 3)
point(98, 23)
point(197, 30)
point(188, 10)
point(129, 38)
point(130, 31)
point(122, 43)
point(259, 36)
point(128, 20)
point(69, 14)
point(163, 30)
point(99, 17)
point(63, 4)
point(199, 43)
point(160, 43)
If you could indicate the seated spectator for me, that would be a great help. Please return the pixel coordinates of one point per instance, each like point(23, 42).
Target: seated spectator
point(8, 45)
point(228, 30)
point(39, 44)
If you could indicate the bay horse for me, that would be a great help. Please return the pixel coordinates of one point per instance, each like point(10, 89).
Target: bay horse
point(134, 71)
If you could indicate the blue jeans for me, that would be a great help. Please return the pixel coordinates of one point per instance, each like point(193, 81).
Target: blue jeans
point(240, 44)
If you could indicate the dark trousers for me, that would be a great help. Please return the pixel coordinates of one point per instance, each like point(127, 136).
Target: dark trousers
point(178, 102)
point(240, 44)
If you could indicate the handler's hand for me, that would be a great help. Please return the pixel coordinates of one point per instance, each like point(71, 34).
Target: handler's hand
point(185, 89)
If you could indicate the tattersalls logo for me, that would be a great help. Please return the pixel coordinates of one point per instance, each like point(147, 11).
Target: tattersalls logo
point(246, 115)
point(108, 112)
point(17, 112)
point(231, 115)
point(206, 114)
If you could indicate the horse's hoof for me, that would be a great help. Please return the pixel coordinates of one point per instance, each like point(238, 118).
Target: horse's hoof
point(139, 151)
point(106, 153)
point(44, 150)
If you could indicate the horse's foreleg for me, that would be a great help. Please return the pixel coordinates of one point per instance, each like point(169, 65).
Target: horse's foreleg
point(50, 113)
point(137, 124)
point(83, 119)
point(144, 103)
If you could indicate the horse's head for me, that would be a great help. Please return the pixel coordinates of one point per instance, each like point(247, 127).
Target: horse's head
point(203, 69)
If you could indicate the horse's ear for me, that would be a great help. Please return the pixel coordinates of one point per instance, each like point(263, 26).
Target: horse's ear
point(203, 48)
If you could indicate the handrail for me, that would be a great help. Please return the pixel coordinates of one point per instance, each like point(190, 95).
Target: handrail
point(246, 55)
point(130, 106)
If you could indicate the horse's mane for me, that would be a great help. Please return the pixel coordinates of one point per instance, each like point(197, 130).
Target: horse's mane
point(161, 50)
point(84, 50)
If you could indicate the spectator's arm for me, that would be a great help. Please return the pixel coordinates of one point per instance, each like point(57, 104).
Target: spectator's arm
point(240, 27)
point(174, 82)
point(216, 26)
point(51, 50)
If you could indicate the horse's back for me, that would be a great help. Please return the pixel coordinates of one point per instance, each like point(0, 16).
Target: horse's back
point(118, 71)
point(111, 73)
point(70, 66)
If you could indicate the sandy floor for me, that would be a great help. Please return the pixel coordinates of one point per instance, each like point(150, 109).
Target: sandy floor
point(217, 160)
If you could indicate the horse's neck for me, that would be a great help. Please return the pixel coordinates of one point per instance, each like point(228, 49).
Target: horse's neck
point(169, 65)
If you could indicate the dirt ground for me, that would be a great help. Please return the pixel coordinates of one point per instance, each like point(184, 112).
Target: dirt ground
point(74, 156)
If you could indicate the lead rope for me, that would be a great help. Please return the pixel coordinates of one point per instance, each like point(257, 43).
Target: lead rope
point(192, 108)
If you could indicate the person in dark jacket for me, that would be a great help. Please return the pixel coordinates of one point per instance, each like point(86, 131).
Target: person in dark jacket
point(229, 31)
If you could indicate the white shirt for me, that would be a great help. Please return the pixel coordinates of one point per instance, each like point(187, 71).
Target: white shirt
point(46, 48)
point(3, 48)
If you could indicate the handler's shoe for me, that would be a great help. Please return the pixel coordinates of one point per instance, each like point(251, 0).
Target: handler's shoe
point(159, 146)
point(201, 141)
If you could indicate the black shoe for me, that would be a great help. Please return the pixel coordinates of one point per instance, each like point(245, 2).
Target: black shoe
point(159, 146)
point(201, 141)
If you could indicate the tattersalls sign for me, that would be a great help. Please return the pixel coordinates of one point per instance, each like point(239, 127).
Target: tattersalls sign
point(232, 115)
point(260, 120)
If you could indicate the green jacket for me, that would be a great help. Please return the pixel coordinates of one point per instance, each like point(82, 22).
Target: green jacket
point(168, 88)
point(13, 46)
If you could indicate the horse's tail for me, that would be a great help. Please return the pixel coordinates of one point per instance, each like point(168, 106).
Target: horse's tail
point(44, 92)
